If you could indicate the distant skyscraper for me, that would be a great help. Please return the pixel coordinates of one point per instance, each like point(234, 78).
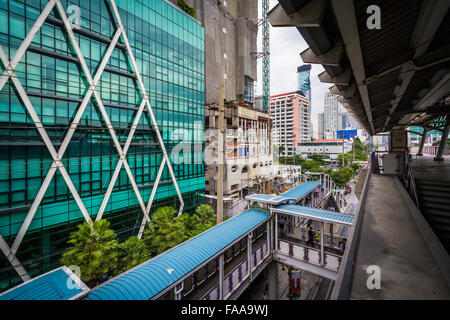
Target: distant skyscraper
point(304, 85)
point(320, 125)
point(303, 82)
point(330, 117)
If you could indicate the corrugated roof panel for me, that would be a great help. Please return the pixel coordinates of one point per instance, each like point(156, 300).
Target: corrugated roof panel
point(49, 286)
point(148, 279)
point(313, 213)
point(301, 190)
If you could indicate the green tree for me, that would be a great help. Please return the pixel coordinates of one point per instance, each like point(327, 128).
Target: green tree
point(186, 8)
point(204, 217)
point(311, 166)
point(93, 248)
point(165, 231)
point(342, 176)
point(131, 253)
point(189, 223)
point(318, 157)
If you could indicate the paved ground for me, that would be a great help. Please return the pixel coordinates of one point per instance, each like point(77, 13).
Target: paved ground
point(391, 240)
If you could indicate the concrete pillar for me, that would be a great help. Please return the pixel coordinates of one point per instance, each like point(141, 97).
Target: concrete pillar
point(221, 275)
point(422, 141)
point(250, 255)
point(272, 276)
point(443, 141)
point(276, 231)
point(268, 235)
point(322, 229)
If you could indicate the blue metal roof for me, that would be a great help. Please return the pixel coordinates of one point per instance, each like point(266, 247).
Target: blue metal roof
point(301, 190)
point(148, 279)
point(52, 285)
point(267, 198)
point(315, 214)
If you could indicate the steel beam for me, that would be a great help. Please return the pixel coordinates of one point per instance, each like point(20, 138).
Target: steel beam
point(344, 11)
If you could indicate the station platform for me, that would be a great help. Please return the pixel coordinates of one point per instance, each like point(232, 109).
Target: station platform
point(391, 239)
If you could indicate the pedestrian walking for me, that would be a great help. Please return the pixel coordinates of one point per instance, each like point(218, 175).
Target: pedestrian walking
point(265, 296)
point(282, 222)
point(342, 245)
point(310, 237)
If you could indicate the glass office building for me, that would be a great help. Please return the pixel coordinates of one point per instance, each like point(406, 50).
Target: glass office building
point(168, 46)
point(303, 81)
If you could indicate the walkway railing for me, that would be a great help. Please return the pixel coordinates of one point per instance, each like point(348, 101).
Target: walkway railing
point(307, 254)
point(433, 150)
point(234, 279)
point(343, 284)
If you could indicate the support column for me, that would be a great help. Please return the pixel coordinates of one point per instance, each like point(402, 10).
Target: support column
point(221, 275)
point(268, 236)
point(443, 141)
point(272, 276)
point(250, 256)
point(322, 229)
point(276, 231)
point(422, 141)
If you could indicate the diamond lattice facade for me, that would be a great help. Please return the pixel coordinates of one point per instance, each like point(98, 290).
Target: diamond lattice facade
point(91, 94)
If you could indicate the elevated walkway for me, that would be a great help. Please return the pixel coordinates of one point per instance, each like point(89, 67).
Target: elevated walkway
point(391, 239)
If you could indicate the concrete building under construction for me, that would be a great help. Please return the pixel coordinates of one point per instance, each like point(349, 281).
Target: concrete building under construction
point(231, 29)
point(248, 150)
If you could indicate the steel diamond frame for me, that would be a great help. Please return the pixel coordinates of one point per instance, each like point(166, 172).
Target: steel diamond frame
point(9, 72)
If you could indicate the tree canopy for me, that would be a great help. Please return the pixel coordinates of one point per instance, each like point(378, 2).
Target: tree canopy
point(96, 251)
point(93, 248)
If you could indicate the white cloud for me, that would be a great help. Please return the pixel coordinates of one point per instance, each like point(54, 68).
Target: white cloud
point(285, 47)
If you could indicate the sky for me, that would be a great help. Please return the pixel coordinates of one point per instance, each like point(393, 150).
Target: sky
point(285, 47)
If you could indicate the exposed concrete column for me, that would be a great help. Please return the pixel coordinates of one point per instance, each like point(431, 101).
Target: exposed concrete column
point(249, 255)
point(443, 141)
point(221, 272)
point(272, 276)
point(322, 229)
point(422, 141)
point(276, 231)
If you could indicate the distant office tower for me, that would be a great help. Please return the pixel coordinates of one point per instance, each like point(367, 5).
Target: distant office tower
point(346, 121)
point(291, 118)
point(320, 125)
point(303, 82)
point(304, 85)
point(330, 118)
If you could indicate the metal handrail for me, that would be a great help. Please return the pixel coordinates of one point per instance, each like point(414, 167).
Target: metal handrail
point(412, 180)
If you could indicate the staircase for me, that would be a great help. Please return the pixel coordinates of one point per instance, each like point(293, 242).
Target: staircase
point(434, 201)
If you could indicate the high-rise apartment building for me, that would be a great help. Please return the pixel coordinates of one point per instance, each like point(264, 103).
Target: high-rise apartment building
point(330, 117)
point(78, 136)
point(291, 119)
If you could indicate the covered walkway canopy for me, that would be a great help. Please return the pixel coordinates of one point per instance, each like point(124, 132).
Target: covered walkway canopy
point(315, 214)
point(152, 277)
point(293, 195)
point(58, 284)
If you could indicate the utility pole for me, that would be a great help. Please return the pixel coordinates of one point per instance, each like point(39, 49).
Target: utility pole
point(353, 148)
point(220, 156)
point(343, 152)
